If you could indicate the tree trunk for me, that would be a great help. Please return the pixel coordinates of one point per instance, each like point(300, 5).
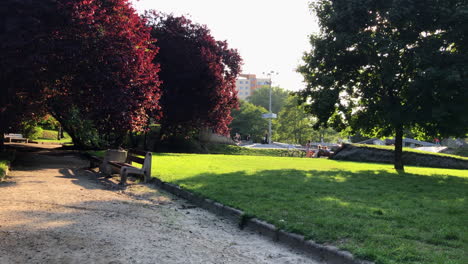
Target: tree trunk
point(2, 141)
point(399, 150)
point(58, 132)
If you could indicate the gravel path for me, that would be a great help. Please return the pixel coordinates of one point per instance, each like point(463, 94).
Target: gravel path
point(53, 211)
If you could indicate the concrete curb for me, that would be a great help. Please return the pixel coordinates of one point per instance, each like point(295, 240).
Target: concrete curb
point(322, 253)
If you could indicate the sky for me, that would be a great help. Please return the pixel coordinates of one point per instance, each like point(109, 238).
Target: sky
point(269, 35)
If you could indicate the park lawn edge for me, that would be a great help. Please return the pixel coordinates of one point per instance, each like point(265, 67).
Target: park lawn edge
point(358, 252)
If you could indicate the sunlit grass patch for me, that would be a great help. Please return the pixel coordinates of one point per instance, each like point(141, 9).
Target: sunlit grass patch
point(418, 216)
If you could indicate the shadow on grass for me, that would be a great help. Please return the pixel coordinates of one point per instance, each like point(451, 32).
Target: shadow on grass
point(342, 184)
point(375, 214)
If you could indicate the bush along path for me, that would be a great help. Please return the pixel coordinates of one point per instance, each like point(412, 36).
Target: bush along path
point(5, 160)
point(53, 211)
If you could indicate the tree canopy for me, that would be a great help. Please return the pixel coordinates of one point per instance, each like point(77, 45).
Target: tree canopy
point(89, 63)
point(261, 97)
point(247, 120)
point(385, 66)
point(198, 74)
point(295, 125)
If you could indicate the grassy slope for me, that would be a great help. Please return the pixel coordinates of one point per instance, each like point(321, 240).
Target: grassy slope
point(51, 136)
point(420, 216)
point(412, 150)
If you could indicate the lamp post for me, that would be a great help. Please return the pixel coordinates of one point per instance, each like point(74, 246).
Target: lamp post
point(270, 114)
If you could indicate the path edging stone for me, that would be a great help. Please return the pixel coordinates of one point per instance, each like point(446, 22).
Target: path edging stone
point(323, 253)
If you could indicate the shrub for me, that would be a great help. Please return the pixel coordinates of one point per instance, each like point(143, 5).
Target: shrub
point(32, 132)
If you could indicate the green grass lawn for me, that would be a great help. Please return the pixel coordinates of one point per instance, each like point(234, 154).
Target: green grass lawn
point(50, 136)
point(420, 216)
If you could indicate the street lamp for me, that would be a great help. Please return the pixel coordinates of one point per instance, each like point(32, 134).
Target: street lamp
point(270, 114)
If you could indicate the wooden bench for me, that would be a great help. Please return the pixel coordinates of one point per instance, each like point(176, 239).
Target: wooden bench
point(94, 161)
point(126, 167)
point(15, 137)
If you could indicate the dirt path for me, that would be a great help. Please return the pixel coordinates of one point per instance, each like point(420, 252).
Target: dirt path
point(52, 211)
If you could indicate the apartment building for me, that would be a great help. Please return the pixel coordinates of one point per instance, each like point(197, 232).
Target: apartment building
point(247, 83)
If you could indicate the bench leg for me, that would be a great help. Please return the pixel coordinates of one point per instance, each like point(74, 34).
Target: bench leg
point(123, 176)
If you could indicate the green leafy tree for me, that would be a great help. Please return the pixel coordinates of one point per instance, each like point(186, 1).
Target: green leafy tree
point(261, 97)
point(247, 120)
point(295, 125)
point(385, 66)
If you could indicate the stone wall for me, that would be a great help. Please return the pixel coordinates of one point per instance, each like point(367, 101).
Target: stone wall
point(369, 154)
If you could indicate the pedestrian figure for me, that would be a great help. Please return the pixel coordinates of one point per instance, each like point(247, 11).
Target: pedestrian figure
point(308, 151)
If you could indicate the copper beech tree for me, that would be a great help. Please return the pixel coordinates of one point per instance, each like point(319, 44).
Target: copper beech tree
point(88, 62)
point(198, 76)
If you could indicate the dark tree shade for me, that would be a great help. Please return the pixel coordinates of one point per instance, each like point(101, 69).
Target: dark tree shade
point(22, 27)
point(386, 66)
point(90, 61)
point(198, 76)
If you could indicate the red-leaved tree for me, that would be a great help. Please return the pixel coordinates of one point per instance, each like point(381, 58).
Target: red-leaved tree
point(111, 79)
point(198, 76)
point(92, 66)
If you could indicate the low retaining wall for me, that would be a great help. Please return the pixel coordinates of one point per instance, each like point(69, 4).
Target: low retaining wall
point(322, 253)
point(369, 154)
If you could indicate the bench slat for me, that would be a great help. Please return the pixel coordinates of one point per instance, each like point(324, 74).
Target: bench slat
point(118, 164)
point(139, 160)
point(137, 152)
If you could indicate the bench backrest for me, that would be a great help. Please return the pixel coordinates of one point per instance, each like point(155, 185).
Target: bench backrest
point(14, 135)
point(135, 155)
